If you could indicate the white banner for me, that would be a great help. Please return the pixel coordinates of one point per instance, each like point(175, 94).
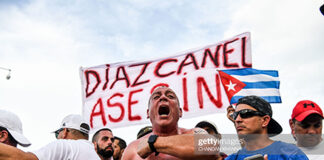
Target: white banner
point(116, 95)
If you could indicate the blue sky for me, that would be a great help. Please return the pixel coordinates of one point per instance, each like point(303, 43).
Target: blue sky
point(46, 42)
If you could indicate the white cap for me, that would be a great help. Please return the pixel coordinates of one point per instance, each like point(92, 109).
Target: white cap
point(206, 123)
point(12, 123)
point(75, 121)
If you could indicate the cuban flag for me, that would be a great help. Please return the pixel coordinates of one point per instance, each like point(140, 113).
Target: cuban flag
point(248, 81)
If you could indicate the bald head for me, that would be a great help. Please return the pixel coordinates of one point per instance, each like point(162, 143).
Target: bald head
point(157, 91)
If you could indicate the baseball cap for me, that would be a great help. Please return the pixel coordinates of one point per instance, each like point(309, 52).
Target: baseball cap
point(75, 121)
point(209, 124)
point(261, 105)
point(12, 123)
point(305, 108)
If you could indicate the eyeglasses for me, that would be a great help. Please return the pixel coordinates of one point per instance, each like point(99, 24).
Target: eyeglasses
point(57, 132)
point(246, 113)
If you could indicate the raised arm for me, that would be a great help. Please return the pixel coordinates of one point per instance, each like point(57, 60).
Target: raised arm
point(11, 153)
point(184, 146)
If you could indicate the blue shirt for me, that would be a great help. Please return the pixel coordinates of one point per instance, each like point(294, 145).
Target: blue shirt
point(276, 151)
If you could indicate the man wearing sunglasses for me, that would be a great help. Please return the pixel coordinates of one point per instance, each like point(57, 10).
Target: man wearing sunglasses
point(72, 144)
point(306, 127)
point(254, 124)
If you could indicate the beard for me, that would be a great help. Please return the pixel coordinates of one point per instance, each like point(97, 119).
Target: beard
point(105, 153)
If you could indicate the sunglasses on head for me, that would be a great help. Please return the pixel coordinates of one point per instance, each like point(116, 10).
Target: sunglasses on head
point(57, 132)
point(246, 113)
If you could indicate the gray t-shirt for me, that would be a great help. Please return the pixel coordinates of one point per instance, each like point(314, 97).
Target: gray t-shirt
point(314, 153)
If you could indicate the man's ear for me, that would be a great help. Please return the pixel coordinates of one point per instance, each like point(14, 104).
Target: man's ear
point(147, 113)
point(95, 145)
point(292, 127)
point(180, 112)
point(266, 121)
point(3, 136)
point(122, 151)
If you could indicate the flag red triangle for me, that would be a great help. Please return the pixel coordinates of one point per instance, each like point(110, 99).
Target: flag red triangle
point(231, 84)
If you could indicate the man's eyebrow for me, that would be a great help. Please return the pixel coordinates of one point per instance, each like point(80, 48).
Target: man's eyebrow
point(155, 93)
point(158, 92)
point(169, 91)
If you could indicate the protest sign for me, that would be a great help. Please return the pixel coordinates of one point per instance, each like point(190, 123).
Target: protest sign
point(116, 95)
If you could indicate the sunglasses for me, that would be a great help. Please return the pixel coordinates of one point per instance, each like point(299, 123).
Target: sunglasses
point(246, 113)
point(57, 132)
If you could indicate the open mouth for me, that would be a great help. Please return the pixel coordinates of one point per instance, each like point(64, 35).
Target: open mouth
point(164, 110)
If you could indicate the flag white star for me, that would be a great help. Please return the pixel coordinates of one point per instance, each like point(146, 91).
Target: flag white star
point(231, 86)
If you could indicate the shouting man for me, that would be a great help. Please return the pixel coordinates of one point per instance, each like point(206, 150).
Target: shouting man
point(167, 140)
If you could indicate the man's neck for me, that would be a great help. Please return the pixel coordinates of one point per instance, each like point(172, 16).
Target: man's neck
point(257, 142)
point(166, 131)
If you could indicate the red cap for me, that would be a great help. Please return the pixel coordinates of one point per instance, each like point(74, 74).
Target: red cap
point(304, 108)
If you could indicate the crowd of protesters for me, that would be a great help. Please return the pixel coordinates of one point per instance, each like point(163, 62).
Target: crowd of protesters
point(164, 139)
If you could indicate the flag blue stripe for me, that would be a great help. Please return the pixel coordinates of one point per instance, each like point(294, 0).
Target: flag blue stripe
point(251, 71)
point(270, 99)
point(267, 84)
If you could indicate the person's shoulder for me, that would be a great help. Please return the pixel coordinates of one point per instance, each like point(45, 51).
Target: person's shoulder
point(133, 144)
point(59, 142)
point(186, 131)
point(55, 148)
point(192, 131)
point(291, 149)
point(131, 149)
point(286, 145)
point(69, 144)
point(84, 143)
